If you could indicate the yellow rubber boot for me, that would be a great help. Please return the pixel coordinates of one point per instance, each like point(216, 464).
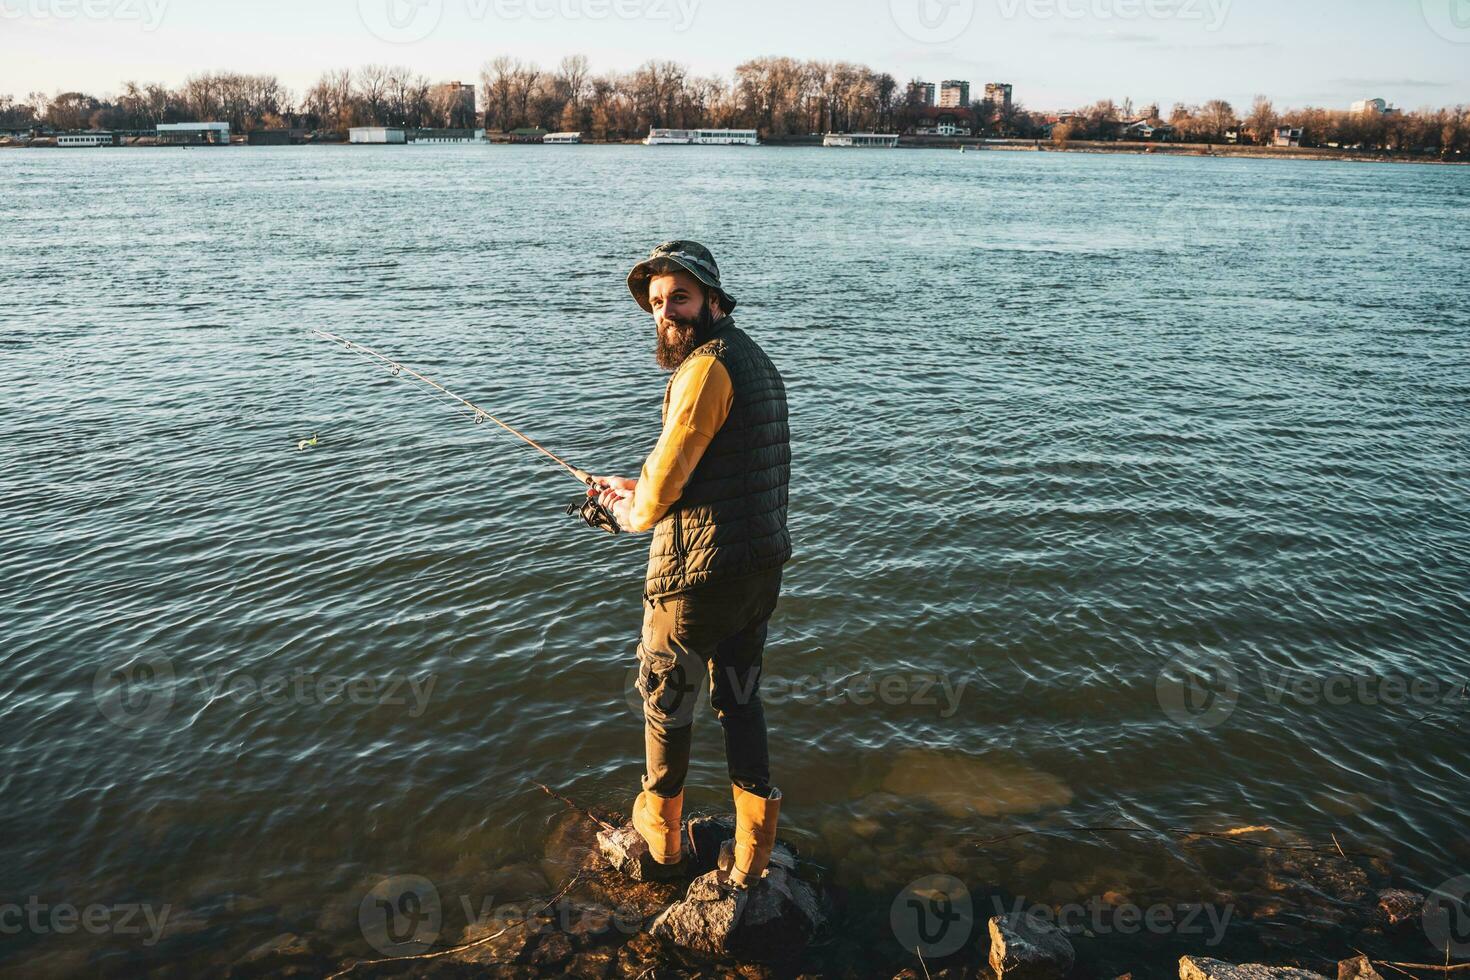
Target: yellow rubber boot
point(755, 834)
point(657, 821)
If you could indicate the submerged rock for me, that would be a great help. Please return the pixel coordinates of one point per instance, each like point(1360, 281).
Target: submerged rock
point(1397, 907)
point(1027, 948)
point(1357, 968)
point(1202, 968)
point(965, 785)
point(286, 955)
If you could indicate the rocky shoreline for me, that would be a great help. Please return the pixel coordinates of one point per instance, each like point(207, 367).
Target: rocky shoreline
point(620, 915)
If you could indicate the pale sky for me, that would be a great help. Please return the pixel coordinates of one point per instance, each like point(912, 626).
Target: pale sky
point(1057, 53)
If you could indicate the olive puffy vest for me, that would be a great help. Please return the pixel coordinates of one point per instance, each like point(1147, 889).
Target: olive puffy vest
point(730, 520)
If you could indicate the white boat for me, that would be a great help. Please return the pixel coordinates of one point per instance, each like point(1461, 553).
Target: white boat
point(702, 137)
point(885, 141)
point(562, 138)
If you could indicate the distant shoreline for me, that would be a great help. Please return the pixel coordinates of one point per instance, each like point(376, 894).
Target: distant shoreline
point(941, 143)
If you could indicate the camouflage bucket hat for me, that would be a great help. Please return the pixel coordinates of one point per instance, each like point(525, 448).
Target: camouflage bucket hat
point(692, 257)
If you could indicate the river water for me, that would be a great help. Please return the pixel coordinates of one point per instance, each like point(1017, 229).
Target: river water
point(1126, 492)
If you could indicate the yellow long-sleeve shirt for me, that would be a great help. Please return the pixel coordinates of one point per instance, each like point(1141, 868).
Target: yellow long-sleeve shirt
point(695, 407)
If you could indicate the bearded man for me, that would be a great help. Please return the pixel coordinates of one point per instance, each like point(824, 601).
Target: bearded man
point(714, 493)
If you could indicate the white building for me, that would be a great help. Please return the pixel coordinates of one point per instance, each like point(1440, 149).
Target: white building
point(1364, 106)
point(194, 133)
point(884, 140)
point(1287, 136)
point(562, 138)
point(701, 137)
point(376, 135)
point(85, 139)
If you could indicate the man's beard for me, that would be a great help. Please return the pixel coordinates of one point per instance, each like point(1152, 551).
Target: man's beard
point(691, 333)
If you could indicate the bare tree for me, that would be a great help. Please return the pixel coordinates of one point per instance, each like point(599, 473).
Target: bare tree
point(572, 75)
point(372, 89)
point(1261, 123)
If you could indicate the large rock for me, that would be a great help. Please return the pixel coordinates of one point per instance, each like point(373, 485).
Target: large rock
point(770, 922)
point(1202, 968)
point(1024, 947)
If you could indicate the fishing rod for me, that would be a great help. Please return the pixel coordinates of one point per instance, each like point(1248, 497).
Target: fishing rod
point(591, 510)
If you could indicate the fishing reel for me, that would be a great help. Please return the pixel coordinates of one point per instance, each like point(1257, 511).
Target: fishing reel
point(596, 516)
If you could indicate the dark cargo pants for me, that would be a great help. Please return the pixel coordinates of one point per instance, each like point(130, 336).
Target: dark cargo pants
point(714, 635)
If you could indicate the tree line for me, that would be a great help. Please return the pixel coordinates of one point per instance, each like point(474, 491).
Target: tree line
point(781, 97)
point(1442, 131)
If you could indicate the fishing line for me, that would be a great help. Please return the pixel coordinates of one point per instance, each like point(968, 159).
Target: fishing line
point(590, 509)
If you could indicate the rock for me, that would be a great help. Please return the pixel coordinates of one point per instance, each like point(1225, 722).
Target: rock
point(570, 842)
point(1027, 948)
point(511, 938)
point(1357, 968)
point(592, 964)
point(554, 949)
point(287, 945)
point(770, 922)
point(708, 835)
point(284, 955)
point(1327, 875)
point(627, 852)
point(639, 955)
point(1201, 968)
point(1397, 907)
